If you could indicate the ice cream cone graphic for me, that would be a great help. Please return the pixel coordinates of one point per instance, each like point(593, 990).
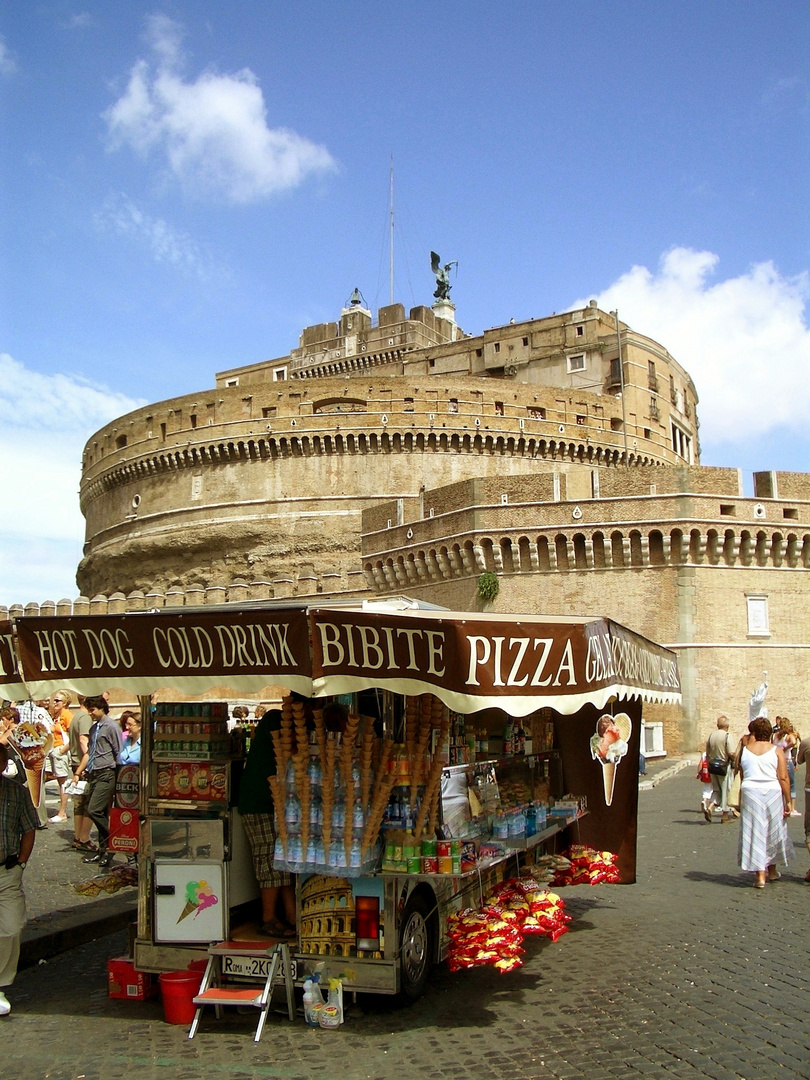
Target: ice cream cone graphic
point(33, 742)
point(199, 896)
point(608, 780)
point(187, 910)
point(34, 778)
point(609, 745)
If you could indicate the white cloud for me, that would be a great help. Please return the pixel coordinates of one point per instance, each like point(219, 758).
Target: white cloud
point(213, 130)
point(7, 65)
point(744, 340)
point(165, 244)
point(45, 421)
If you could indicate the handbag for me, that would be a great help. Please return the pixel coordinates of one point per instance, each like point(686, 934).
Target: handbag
point(703, 771)
point(734, 791)
point(718, 766)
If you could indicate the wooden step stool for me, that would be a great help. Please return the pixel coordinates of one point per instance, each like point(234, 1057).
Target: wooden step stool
point(212, 993)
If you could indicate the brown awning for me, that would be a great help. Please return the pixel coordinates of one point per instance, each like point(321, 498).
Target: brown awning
point(470, 661)
point(514, 662)
point(12, 688)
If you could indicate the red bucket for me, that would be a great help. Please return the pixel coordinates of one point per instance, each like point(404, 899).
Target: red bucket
point(177, 989)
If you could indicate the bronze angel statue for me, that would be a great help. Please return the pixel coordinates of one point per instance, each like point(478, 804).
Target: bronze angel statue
point(442, 276)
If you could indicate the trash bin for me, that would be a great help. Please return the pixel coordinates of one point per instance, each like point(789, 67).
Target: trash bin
point(178, 989)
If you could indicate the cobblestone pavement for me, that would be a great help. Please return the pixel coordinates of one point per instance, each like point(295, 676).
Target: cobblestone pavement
point(690, 973)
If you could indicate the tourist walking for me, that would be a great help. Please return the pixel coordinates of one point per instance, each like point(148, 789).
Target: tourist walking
point(803, 758)
point(100, 765)
point(764, 806)
point(719, 756)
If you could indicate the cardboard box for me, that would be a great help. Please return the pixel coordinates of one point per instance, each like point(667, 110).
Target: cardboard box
point(123, 981)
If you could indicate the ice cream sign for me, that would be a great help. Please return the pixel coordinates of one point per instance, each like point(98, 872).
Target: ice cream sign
point(199, 897)
point(609, 744)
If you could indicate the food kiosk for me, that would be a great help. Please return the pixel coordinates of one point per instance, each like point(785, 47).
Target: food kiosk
point(471, 742)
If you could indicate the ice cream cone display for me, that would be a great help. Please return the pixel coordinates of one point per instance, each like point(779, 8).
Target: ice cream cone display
point(277, 788)
point(609, 744)
point(377, 811)
point(33, 742)
point(366, 764)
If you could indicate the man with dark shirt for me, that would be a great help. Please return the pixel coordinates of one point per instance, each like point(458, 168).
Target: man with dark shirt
point(99, 766)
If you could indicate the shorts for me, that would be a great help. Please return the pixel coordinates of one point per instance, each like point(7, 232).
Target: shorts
point(59, 765)
point(261, 834)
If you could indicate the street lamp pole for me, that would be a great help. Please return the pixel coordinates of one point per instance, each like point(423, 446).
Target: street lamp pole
point(615, 315)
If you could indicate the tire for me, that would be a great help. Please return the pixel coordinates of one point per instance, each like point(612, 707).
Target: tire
point(417, 946)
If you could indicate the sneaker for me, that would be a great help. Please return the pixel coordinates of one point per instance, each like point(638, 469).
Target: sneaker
point(795, 813)
point(57, 819)
point(5, 1005)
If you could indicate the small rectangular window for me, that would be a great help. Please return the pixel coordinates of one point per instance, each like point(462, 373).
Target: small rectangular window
point(407, 405)
point(580, 331)
point(581, 420)
point(232, 382)
point(758, 616)
point(497, 346)
point(452, 405)
point(269, 410)
point(499, 408)
point(193, 419)
point(479, 352)
point(790, 512)
point(535, 412)
point(728, 509)
point(163, 431)
point(615, 423)
point(525, 341)
point(280, 374)
point(577, 362)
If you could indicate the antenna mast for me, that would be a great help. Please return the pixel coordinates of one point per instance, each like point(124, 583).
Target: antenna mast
point(391, 235)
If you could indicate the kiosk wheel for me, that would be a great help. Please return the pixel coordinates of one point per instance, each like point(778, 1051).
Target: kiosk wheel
point(417, 946)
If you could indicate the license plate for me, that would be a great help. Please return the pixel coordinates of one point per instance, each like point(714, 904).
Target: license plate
point(253, 967)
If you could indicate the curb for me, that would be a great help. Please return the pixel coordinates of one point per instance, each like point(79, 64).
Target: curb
point(55, 933)
point(665, 774)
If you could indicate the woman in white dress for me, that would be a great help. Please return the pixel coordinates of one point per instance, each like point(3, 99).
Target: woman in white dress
point(764, 805)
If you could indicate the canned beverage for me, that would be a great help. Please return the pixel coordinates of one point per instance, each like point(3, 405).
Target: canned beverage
point(429, 849)
point(414, 864)
point(445, 864)
point(430, 864)
point(456, 864)
point(443, 848)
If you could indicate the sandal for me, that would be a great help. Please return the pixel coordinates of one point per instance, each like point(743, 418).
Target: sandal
point(277, 929)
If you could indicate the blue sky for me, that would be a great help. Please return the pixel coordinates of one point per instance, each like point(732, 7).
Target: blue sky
point(186, 185)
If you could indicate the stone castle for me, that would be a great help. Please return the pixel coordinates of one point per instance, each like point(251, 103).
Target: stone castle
point(561, 454)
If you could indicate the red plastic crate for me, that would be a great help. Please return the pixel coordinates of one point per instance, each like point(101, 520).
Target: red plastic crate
point(123, 981)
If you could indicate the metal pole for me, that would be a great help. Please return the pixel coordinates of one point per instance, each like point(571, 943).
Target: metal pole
point(615, 315)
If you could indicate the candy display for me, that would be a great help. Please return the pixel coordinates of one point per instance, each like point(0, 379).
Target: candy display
point(588, 867)
point(494, 933)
